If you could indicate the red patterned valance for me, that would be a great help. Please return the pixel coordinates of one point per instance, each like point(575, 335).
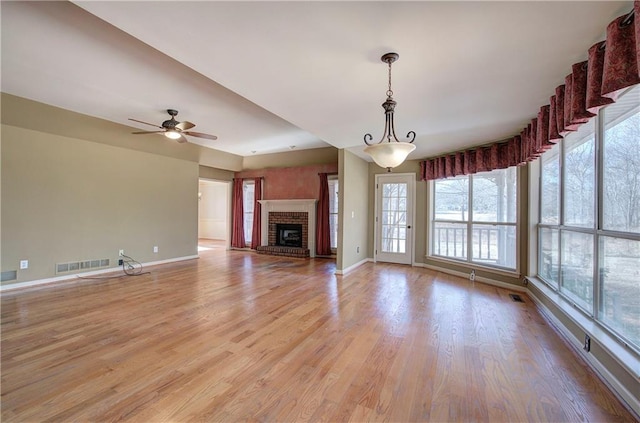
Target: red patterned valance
point(612, 66)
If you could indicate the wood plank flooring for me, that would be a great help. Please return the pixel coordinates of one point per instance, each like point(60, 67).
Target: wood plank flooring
point(238, 336)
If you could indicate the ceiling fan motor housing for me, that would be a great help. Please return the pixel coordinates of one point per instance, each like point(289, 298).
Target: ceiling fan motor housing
point(171, 123)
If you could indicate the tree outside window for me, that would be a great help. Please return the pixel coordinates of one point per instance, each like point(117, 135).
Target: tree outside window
point(591, 255)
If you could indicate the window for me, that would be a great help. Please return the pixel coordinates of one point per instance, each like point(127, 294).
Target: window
point(333, 211)
point(578, 211)
point(579, 177)
point(248, 188)
point(549, 237)
point(393, 237)
point(589, 246)
point(475, 217)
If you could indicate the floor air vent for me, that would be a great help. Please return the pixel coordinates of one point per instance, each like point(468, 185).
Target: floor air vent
point(517, 298)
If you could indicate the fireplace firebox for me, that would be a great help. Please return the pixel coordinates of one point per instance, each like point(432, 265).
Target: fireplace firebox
point(289, 235)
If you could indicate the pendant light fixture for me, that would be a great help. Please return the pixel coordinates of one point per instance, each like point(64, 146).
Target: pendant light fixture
point(391, 153)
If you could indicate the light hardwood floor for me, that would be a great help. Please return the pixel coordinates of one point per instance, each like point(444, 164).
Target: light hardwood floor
point(238, 336)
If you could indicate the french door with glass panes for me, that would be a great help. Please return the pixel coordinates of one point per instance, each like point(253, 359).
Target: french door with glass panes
point(394, 218)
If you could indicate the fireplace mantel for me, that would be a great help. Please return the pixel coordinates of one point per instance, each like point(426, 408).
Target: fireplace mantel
point(308, 206)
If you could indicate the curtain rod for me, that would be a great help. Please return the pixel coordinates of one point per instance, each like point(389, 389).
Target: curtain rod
point(628, 19)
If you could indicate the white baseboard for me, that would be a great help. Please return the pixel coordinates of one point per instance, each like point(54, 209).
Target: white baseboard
point(172, 260)
point(609, 379)
point(74, 277)
point(464, 275)
point(353, 266)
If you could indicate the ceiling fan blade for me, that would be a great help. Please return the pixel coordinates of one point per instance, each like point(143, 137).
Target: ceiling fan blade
point(200, 135)
point(148, 132)
point(183, 126)
point(182, 139)
point(146, 123)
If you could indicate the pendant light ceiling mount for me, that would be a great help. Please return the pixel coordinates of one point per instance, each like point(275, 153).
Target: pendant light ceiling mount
point(390, 57)
point(393, 152)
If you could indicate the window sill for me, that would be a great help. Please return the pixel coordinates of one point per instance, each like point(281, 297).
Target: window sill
point(616, 348)
point(476, 266)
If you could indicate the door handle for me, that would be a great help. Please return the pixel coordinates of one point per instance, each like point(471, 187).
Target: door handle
point(409, 227)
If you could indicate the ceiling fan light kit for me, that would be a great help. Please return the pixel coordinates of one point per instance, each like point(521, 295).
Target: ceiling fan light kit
point(173, 129)
point(393, 152)
point(174, 135)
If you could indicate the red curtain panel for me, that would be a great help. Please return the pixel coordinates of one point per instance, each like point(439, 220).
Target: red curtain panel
point(323, 231)
point(237, 218)
point(257, 210)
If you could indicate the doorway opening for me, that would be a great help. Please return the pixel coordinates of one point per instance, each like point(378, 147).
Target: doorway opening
point(214, 214)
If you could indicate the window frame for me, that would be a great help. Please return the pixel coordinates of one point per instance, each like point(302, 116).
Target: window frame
point(333, 180)
point(598, 233)
point(469, 223)
point(245, 184)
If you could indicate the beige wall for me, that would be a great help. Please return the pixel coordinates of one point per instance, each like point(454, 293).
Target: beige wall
point(66, 199)
point(215, 174)
point(294, 158)
point(354, 212)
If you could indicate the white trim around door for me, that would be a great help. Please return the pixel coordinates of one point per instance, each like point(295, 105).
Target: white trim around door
point(394, 218)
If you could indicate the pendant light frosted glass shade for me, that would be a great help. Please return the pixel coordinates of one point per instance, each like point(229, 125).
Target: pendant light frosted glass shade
point(389, 154)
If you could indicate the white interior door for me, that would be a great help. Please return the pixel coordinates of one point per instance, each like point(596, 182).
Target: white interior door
point(394, 218)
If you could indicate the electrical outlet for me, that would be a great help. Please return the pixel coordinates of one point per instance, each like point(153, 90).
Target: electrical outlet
point(472, 275)
point(24, 264)
point(120, 262)
point(587, 343)
point(155, 248)
point(121, 252)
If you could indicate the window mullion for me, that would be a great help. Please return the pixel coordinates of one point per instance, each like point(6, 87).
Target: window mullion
point(561, 180)
point(470, 220)
point(599, 216)
point(431, 229)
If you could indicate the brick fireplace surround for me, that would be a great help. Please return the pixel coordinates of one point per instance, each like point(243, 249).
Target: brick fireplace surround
point(293, 218)
point(302, 212)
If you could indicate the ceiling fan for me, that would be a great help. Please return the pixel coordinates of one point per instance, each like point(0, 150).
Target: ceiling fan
point(173, 129)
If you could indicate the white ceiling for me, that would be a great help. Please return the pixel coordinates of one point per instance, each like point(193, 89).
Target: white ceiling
point(266, 76)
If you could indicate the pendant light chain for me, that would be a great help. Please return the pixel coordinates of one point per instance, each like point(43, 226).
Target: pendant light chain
point(389, 92)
